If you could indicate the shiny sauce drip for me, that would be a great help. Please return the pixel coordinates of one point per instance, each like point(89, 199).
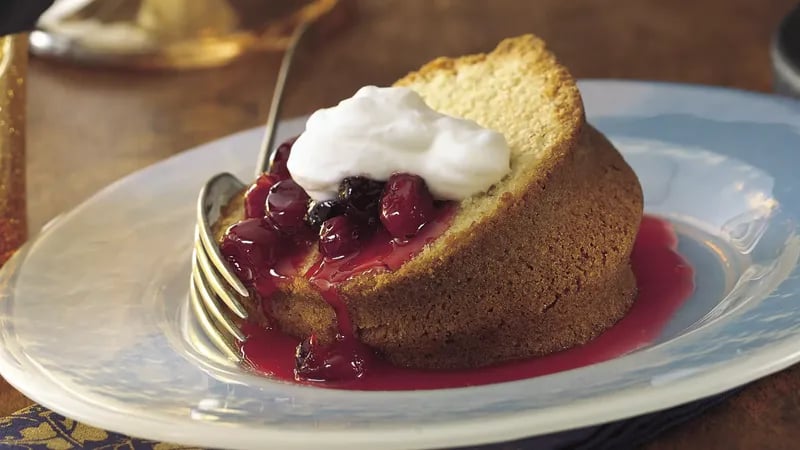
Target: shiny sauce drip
point(664, 281)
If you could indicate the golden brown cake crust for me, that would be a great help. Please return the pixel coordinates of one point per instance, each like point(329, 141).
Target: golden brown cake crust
point(550, 273)
point(538, 264)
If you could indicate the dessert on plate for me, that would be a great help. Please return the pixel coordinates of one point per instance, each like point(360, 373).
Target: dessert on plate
point(465, 216)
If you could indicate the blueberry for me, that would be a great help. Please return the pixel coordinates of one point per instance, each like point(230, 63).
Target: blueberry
point(361, 198)
point(319, 212)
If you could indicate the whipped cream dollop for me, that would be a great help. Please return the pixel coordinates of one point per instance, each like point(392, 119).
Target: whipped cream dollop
point(381, 131)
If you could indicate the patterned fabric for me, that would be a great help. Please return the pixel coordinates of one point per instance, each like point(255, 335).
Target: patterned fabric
point(37, 428)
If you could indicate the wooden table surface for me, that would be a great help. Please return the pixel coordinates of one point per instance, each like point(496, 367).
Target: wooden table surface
point(89, 127)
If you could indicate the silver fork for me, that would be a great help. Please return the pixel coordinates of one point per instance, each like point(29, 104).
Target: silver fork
point(216, 294)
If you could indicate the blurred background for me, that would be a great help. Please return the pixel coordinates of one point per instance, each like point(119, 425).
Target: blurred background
point(94, 118)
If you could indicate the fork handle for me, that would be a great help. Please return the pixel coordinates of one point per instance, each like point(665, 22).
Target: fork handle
point(267, 152)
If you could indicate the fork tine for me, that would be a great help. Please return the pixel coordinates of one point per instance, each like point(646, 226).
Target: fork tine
point(215, 335)
point(199, 340)
point(211, 248)
point(210, 270)
point(212, 305)
point(217, 287)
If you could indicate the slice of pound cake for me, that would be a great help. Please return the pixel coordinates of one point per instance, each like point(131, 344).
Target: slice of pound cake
point(492, 224)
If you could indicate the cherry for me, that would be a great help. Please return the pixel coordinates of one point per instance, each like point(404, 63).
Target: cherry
point(319, 212)
point(362, 198)
point(286, 206)
point(251, 246)
point(406, 205)
point(256, 196)
point(278, 167)
point(345, 359)
point(339, 236)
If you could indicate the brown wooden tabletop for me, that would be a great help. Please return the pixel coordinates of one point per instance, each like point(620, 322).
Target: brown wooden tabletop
point(89, 127)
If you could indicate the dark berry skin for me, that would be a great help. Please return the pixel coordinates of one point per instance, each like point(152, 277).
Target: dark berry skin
point(340, 236)
point(361, 198)
point(256, 196)
point(278, 166)
point(286, 206)
point(406, 205)
point(340, 361)
point(319, 212)
point(250, 246)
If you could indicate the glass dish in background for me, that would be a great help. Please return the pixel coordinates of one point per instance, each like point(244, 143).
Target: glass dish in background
point(175, 34)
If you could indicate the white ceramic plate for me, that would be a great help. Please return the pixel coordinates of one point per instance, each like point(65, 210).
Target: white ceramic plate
point(92, 322)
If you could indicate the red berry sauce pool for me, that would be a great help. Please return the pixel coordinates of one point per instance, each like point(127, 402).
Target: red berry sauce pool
point(664, 279)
